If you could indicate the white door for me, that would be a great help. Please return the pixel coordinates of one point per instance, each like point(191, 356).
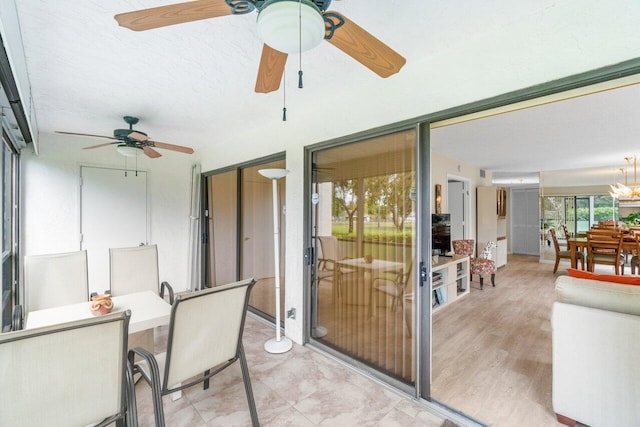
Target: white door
point(114, 213)
point(458, 202)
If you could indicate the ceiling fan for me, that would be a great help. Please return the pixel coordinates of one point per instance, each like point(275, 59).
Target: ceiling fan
point(131, 142)
point(286, 26)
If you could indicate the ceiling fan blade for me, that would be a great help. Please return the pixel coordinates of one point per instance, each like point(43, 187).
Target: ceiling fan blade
point(101, 145)
point(138, 136)
point(84, 134)
point(150, 152)
point(172, 147)
point(270, 70)
point(162, 16)
point(356, 42)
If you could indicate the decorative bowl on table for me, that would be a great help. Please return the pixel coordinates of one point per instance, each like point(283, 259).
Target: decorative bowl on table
point(101, 304)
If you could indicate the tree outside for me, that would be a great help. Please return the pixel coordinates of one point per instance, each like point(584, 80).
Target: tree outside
point(387, 206)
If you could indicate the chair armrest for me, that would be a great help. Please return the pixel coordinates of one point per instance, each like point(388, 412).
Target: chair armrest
point(166, 285)
point(131, 416)
point(153, 378)
point(17, 320)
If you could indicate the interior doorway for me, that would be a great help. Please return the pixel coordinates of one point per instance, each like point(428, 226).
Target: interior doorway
point(458, 206)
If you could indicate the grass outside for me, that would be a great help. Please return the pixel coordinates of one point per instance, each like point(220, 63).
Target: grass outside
point(374, 231)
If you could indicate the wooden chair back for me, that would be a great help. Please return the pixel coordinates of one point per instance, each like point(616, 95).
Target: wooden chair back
point(554, 238)
point(605, 248)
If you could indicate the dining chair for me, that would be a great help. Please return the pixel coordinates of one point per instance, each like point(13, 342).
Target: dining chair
point(204, 338)
point(52, 280)
point(135, 269)
point(479, 266)
point(635, 253)
point(567, 235)
point(563, 254)
point(68, 374)
point(605, 249)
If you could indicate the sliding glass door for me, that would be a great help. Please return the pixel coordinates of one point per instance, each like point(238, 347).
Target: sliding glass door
point(239, 232)
point(364, 233)
point(578, 213)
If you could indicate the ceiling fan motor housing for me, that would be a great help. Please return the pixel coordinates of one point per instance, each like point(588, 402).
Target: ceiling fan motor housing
point(121, 134)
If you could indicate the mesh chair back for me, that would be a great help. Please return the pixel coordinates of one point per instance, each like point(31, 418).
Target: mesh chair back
point(69, 374)
point(55, 279)
point(205, 330)
point(133, 269)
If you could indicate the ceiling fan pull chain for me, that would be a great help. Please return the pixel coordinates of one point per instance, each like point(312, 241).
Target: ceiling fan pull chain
point(284, 97)
point(300, 42)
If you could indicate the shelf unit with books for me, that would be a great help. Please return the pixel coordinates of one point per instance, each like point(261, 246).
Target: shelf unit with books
point(449, 280)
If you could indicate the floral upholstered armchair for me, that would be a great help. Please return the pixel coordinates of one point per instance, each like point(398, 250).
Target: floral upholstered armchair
point(479, 266)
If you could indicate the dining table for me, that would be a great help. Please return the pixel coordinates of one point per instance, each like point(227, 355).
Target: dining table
point(148, 310)
point(368, 270)
point(580, 244)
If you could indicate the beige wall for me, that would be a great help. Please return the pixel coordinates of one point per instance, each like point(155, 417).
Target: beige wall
point(443, 167)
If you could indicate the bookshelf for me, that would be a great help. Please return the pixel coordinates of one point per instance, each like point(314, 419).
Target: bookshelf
point(449, 280)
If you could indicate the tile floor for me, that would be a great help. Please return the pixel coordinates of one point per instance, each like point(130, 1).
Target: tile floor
point(299, 388)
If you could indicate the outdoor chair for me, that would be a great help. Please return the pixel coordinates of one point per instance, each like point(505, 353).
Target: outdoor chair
point(52, 280)
point(394, 284)
point(135, 269)
point(328, 266)
point(68, 374)
point(205, 337)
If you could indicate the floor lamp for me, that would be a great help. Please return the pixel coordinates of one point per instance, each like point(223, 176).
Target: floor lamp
point(279, 344)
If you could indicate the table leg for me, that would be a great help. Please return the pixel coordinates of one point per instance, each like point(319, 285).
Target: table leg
point(572, 251)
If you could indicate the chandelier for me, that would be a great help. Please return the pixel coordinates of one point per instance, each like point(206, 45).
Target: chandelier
point(625, 192)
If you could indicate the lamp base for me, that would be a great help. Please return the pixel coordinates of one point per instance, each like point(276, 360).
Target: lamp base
point(276, 347)
point(319, 332)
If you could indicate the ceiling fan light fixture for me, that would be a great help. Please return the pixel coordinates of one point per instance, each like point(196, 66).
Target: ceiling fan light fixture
point(291, 26)
point(128, 150)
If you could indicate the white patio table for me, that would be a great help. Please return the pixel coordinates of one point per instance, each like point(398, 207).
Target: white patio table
point(148, 310)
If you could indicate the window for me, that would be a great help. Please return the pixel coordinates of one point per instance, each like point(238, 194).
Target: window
point(9, 289)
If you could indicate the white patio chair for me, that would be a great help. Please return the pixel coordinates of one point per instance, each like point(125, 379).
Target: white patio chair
point(328, 262)
point(53, 280)
point(205, 337)
point(68, 374)
point(135, 269)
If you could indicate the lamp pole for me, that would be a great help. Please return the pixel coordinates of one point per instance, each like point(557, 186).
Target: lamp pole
point(279, 344)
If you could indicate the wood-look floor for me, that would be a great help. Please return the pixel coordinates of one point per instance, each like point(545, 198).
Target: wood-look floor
point(492, 349)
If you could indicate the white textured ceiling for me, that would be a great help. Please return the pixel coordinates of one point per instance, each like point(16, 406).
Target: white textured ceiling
point(192, 84)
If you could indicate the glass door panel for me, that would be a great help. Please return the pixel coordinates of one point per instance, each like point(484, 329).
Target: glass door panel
point(363, 221)
point(222, 229)
point(256, 241)
point(240, 233)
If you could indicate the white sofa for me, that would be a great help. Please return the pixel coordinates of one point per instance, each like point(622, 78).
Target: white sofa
point(596, 353)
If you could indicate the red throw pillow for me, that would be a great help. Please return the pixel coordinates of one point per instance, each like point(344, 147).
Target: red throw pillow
point(625, 280)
